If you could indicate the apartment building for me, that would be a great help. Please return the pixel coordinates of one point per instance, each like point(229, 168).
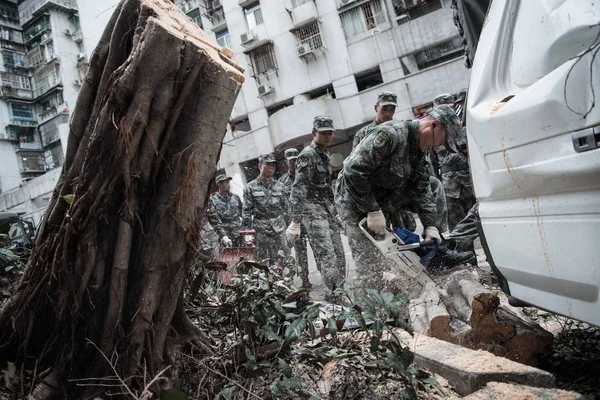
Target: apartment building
point(302, 58)
point(327, 57)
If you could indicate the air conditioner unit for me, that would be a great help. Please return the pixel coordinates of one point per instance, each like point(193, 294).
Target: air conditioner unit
point(77, 82)
point(343, 3)
point(68, 32)
point(304, 49)
point(264, 90)
point(80, 56)
point(185, 7)
point(247, 37)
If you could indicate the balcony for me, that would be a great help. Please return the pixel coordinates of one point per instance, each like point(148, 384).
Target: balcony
point(36, 169)
point(11, 36)
point(7, 92)
point(51, 112)
point(304, 14)
point(24, 123)
point(50, 83)
point(36, 57)
point(30, 146)
point(284, 126)
point(33, 8)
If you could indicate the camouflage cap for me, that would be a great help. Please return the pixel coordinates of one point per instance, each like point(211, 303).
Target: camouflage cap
point(268, 158)
point(445, 98)
point(291, 154)
point(387, 99)
point(322, 123)
point(451, 123)
point(222, 177)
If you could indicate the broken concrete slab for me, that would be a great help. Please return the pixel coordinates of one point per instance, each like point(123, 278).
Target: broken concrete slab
point(470, 370)
point(509, 391)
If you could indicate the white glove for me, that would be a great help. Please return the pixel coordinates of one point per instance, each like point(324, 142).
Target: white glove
point(225, 241)
point(431, 232)
point(292, 233)
point(376, 222)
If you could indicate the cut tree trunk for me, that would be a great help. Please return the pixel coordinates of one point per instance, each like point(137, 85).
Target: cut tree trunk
point(113, 248)
point(464, 312)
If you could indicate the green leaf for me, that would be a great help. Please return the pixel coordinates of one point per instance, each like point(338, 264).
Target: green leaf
point(396, 363)
point(311, 329)
point(290, 315)
point(11, 369)
point(285, 368)
point(388, 297)
point(227, 392)
point(289, 305)
point(293, 332)
point(251, 363)
point(430, 381)
point(68, 198)
point(291, 383)
point(407, 357)
point(276, 388)
point(332, 326)
point(172, 394)
point(360, 320)
point(269, 334)
point(10, 267)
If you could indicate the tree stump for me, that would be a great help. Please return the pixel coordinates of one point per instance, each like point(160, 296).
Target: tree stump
point(110, 260)
point(464, 312)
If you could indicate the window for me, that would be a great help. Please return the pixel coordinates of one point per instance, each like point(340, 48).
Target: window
point(223, 38)
point(369, 78)
point(439, 53)
point(363, 18)
point(15, 81)
point(263, 59)
point(32, 163)
point(22, 110)
point(54, 157)
point(309, 35)
point(254, 17)
point(407, 10)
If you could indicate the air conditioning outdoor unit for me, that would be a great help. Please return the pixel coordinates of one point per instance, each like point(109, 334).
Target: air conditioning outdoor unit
point(247, 37)
point(77, 82)
point(80, 56)
point(264, 90)
point(68, 32)
point(304, 49)
point(343, 3)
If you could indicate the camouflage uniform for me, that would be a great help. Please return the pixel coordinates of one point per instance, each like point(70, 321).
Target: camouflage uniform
point(265, 205)
point(209, 240)
point(386, 172)
point(225, 214)
point(463, 235)
point(456, 178)
point(300, 246)
point(312, 202)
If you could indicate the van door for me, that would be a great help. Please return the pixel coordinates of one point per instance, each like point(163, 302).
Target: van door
point(533, 126)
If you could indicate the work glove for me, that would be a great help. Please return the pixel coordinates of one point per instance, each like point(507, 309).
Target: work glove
point(431, 232)
point(292, 233)
point(376, 222)
point(225, 241)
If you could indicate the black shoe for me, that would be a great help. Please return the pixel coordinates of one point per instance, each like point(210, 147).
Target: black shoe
point(448, 259)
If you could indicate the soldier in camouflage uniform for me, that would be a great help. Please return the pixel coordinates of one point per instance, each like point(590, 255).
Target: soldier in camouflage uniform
point(225, 213)
point(312, 204)
point(384, 112)
point(455, 174)
point(265, 206)
point(386, 173)
point(291, 155)
point(385, 108)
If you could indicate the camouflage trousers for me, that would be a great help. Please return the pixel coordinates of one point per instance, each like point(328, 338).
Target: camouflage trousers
point(406, 220)
point(459, 207)
point(300, 249)
point(268, 246)
point(465, 231)
point(324, 237)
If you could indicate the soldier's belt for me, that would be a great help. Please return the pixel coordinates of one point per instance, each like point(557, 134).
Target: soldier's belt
point(454, 167)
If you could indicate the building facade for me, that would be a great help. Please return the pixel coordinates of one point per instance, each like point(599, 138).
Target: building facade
point(302, 58)
point(327, 57)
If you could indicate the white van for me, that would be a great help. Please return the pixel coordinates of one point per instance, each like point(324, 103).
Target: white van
point(533, 124)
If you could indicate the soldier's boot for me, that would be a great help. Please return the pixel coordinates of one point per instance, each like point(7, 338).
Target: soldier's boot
point(446, 258)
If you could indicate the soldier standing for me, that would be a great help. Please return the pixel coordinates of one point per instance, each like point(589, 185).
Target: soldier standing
point(225, 212)
point(312, 205)
point(385, 108)
point(300, 246)
point(265, 205)
point(386, 173)
point(455, 174)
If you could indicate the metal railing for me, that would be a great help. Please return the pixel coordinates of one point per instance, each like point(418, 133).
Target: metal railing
point(28, 123)
point(30, 146)
point(49, 83)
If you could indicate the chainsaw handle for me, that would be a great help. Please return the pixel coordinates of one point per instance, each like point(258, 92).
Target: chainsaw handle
point(401, 246)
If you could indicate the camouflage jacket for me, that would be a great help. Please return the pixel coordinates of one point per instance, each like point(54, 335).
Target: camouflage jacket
point(287, 180)
point(454, 169)
point(265, 205)
point(312, 192)
point(363, 133)
point(386, 164)
point(225, 214)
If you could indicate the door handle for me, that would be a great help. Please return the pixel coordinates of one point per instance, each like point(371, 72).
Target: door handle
point(586, 139)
